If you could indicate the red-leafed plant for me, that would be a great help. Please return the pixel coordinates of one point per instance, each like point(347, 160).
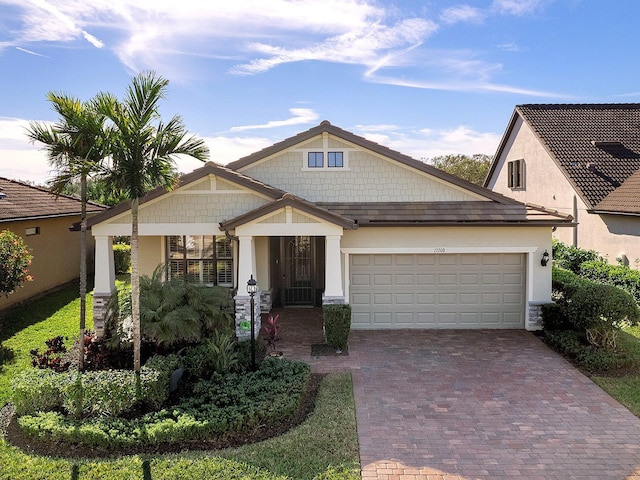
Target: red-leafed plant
point(271, 331)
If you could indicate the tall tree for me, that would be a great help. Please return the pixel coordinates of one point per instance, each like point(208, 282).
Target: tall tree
point(471, 168)
point(75, 147)
point(142, 155)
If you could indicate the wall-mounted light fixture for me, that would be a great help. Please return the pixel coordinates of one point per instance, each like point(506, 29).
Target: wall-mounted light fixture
point(545, 259)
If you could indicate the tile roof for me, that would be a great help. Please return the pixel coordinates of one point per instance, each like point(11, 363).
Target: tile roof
point(597, 146)
point(445, 213)
point(22, 201)
point(623, 200)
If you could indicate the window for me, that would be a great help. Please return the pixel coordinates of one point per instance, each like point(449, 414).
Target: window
point(334, 159)
point(516, 174)
point(201, 259)
point(315, 160)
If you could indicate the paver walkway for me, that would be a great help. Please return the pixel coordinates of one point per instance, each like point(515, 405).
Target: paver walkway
point(462, 405)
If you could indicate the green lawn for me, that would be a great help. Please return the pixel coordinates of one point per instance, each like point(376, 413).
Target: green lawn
point(325, 446)
point(625, 388)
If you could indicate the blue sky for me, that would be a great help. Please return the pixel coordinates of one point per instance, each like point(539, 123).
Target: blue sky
point(426, 77)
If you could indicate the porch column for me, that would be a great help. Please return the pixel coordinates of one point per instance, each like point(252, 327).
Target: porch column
point(105, 281)
point(246, 268)
point(333, 290)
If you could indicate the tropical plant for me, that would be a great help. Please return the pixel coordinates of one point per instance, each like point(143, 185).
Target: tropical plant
point(75, 147)
point(15, 259)
point(142, 157)
point(271, 330)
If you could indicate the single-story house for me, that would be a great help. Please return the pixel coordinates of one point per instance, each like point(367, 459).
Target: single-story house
point(580, 159)
point(43, 221)
point(327, 216)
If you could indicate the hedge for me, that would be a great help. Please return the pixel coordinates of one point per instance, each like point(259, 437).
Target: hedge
point(618, 275)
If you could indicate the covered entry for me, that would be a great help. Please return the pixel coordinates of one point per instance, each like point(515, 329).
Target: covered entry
point(297, 270)
point(437, 291)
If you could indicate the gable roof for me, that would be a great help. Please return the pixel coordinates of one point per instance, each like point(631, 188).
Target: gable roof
point(209, 168)
point(289, 200)
point(21, 201)
point(596, 146)
point(326, 127)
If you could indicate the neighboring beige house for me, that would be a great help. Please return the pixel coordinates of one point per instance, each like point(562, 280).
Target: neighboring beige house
point(328, 217)
point(579, 159)
point(43, 221)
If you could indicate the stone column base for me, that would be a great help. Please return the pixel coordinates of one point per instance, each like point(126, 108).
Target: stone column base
point(243, 316)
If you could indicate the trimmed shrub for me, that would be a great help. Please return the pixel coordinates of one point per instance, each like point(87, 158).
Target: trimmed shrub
point(554, 318)
point(225, 404)
point(337, 324)
point(570, 257)
point(122, 258)
point(94, 393)
point(573, 345)
point(601, 311)
point(618, 275)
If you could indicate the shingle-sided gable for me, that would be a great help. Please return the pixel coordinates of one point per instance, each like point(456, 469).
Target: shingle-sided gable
point(371, 172)
point(596, 146)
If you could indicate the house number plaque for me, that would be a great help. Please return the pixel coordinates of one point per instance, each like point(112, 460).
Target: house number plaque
point(438, 250)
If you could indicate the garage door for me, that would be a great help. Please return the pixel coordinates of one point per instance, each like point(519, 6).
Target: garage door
point(437, 291)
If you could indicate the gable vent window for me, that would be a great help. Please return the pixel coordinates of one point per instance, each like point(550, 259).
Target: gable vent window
point(515, 174)
point(201, 259)
point(315, 160)
point(335, 160)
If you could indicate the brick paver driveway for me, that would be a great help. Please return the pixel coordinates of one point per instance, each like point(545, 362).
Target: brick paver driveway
point(480, 404)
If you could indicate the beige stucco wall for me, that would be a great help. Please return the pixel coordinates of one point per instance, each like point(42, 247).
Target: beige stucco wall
point(368, 178)
point(56, 255)
point(151, 254)
point(546, 185)
point(442, 240)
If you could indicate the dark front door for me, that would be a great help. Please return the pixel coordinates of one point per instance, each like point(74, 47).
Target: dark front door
point(298, 273)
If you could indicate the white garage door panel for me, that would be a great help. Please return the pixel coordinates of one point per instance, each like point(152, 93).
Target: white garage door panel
point(437, 291)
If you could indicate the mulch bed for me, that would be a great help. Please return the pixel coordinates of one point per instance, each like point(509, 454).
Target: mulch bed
point(324, 350)
point(10, 430)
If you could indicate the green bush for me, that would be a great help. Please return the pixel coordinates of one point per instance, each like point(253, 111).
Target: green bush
point(618, 275)
point(573, 345)
point(225, 404)
point(243, 347)
point(216, 354)
point(122, 258)
point(601, 311)
point(337, 324)
point(554, 318)
point(570, 257)
point(15, 257)
point(106, 393)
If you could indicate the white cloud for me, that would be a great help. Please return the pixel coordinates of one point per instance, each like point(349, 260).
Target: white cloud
point(299, 116)
point(31, 52)
point(462, 14)
point(516, 7)
point(428, 143)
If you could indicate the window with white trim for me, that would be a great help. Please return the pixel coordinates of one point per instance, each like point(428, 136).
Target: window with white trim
point(315, 159)
point(515, 172)
point(335, 160)
point(201, 259)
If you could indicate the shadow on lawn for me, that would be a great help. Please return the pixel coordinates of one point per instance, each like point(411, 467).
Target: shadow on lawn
point(20, 317)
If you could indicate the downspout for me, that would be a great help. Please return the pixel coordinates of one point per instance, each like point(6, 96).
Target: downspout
point(575, 219)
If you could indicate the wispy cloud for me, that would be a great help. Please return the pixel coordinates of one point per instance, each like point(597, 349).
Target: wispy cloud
point(30, 52)
point(462, 14)
point(516, 7)
point(299, 116)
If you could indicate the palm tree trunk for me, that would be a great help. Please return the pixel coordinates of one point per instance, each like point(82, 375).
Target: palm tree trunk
point(83, 268)
point(135, 287)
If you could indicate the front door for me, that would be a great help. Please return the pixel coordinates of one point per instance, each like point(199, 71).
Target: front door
point(298, 274)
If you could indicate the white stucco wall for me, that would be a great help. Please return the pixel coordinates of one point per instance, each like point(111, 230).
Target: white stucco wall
point(545, 185)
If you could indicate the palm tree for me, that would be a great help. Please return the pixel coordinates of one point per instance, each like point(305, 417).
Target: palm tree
point(75, 148)
point(142, 154)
